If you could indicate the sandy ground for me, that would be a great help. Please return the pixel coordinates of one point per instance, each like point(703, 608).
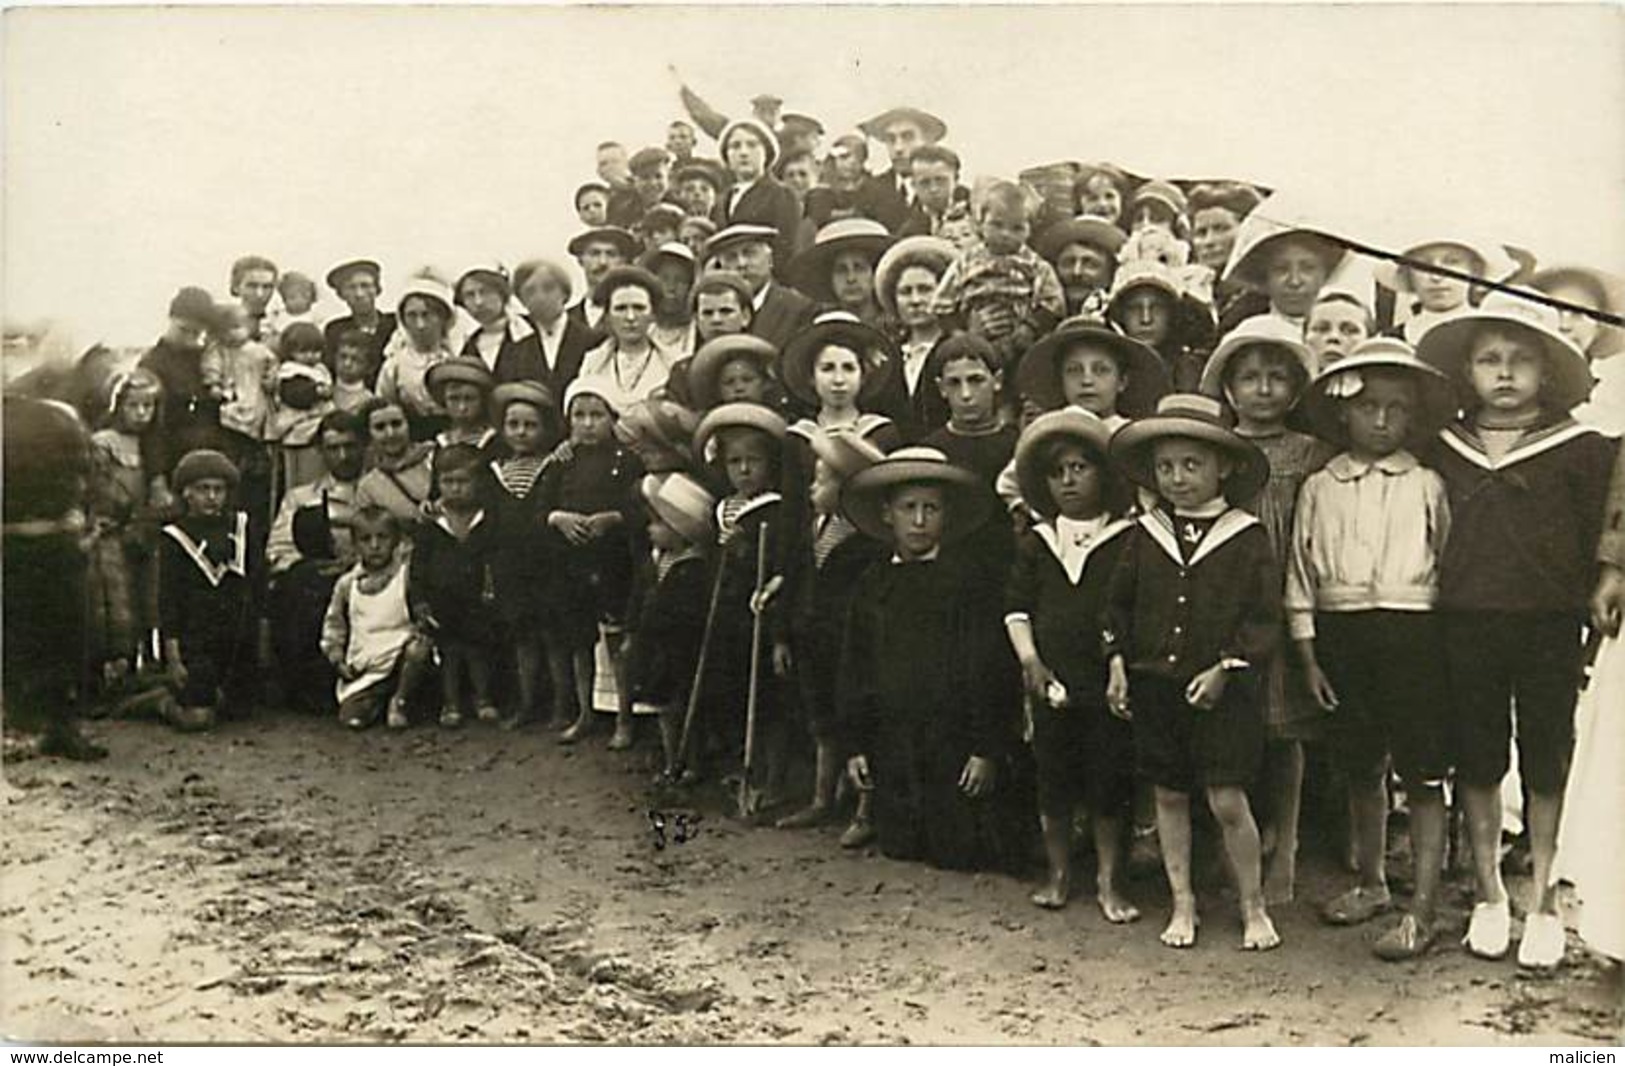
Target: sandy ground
point(282, 880)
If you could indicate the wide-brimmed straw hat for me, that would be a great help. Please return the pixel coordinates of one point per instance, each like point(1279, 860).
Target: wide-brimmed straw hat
point(933, 253)
point(681, 502)
point(532, 392)
point(1193, 323)
point(203, 463)
point(863, 499)
point(932, 128)
point(341, 273)
point(1249, 260)
point(467, 369)
point(663, 424)
point(717, 353)
point(1088, 231)
point(741, 415)
point(845, 452)
point(1259, 329)
point(810, 270)
point(1317, 412)
point(624, 239)
point(872, 347)
point(1609, 290)
point(739, 233)
point(1190, 416)
point(768, 138)
point(1039, 374)
point(1447, 345)
point(1496, 264)
point(1033, 451)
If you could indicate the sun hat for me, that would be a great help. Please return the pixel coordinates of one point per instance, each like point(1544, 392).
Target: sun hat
point(738, 416)
point(623, 276)
point(429, 288)
point(599, 385)
point(863, 499)
point(1446, 345)
point(468, 369)
point(193, 304)
point(1259, 329)
point(532, 392)
point(646, 158)
point(1190, 416)
point(739, 233)
point(1317, 411)
point(494, 273)
point(932, 128)
point(765, 135)
point(810, 270)
point(621, 238)
point(844, 451)
point(1494, 262)
point(1609, 289)
point(1085, 230)
point(663, 424)
point(1038, 376)
point(202, 463)
point(341, 273)
point(933, 253)
point(1193, 323)
point(1249, 259)
point(1033, 450)
point(717, 353)
point(873, 348)
point(681, 502)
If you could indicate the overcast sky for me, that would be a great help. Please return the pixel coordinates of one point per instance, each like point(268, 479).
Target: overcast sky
point(145, 148)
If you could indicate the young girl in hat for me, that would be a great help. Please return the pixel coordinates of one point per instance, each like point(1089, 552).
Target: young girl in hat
point(1527, 486)
point(1429, 297)
point(505, 342)
point(734, 368)
point(926, 679)
point(424, 339)
point(1362, 583)
point(462, 387)
point(1152, 304)
point(585, 497)
point(819, 584)
point(207, 575)
point(1057, 590)
point(1193, 617)
point(521, 566)
point(1287, 266)
point(452, 586)
point(1259, 370)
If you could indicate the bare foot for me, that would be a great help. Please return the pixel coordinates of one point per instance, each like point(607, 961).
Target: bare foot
point(1117, 910)
point(1257, 931)
point(1053, 895)
point(1181, 930)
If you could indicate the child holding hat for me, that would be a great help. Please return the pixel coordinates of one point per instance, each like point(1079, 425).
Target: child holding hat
point(206, 593)
point(1527, 486)
point(462, 387)
point(1362, 584)
point(1057, 591)
point(1193, 617)
point(926, 714)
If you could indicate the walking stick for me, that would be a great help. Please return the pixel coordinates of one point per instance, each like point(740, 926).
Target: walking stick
point(681, 762)
point(748, 798)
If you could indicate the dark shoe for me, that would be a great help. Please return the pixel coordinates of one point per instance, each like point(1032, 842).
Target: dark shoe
point(66, 742)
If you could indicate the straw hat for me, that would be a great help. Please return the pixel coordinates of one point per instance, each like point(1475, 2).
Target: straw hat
point(1317, 411)
point(624, 239)
point(933, 253)
point(863, 500)
point(681, 502)
point(845, 452)
point(341, 273)
point(810, 270)
point(1249, 261)
point(873, 348)
point(932, 128)
point(1494, 262)
point(717, 353)
point(738, 416)
point(1039, 374)
point(1446, 345)
point(1190, 416)
point(1033, 449)
point(767, 137)
point(532, 392)
point(739, 233)
point(1259, 329)
point(203, 463)
point(1088, 231)
point(664, 424)
point(467, 369)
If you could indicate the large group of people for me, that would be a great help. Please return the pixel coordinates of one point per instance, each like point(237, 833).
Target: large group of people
point(1081, 494)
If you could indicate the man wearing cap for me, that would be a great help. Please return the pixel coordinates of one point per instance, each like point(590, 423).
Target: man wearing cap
point(800, 133)
point(599, 251)
point(778, 312)
point(356, 282)
point(886, 198)
point(189, 417)
point(651, 174)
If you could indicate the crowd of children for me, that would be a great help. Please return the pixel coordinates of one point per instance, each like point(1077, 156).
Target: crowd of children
point(1093, 510)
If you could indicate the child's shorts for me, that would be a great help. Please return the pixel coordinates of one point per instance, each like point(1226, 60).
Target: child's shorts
point(1388, 669)
point(1181, 748)
point(1501, 659)
point(1082, 752)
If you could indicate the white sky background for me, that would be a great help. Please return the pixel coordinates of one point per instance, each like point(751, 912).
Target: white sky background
point(146, 148)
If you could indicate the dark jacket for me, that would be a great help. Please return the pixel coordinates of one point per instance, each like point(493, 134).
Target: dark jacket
point(785, 312)
point(921, 414)
point(769, 202)
point(1061, 613)
point(451, 581)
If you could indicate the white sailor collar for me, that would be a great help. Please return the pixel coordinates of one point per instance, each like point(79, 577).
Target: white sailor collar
point(1463, 439)
point(214, 572)
point(1229, 525)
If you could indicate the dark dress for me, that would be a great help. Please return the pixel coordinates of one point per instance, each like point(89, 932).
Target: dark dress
point(452, 577)
point(206, 573)
point(188, 418)
point(986, 455)
point(669, 603)
point(521, 560)
point(926, 682)
point(819, 595)
point(726, 682)
point(592, 582)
